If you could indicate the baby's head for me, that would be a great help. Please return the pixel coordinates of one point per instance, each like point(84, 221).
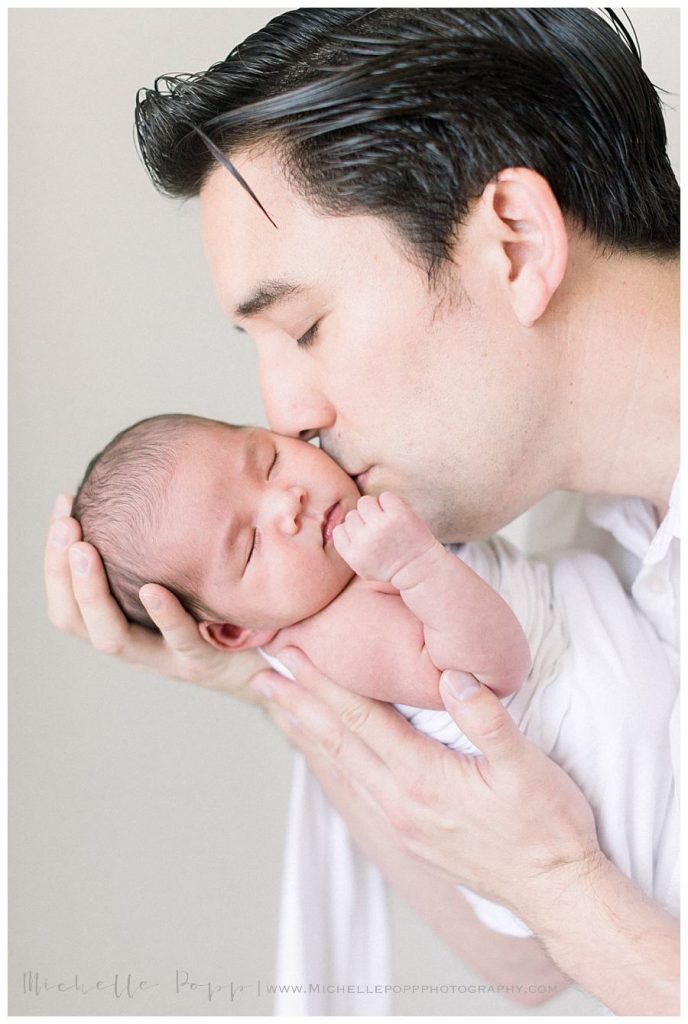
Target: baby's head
point(236, 521)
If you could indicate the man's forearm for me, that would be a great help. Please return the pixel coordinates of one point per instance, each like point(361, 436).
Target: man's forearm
point(609, 937)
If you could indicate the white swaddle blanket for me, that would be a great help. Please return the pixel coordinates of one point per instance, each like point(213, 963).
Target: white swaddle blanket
point(598, 701)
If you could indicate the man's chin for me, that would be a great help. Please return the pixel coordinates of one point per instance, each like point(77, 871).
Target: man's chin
point(455, 527)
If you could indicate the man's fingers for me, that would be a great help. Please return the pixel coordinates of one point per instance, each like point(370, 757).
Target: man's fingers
point(62, 506)
point(79, 598)
point(107, 628)
point(320, 734)
point(179, 629)
point(482, 717)
point(379, 725)
point(106, 625)
point(63, 610)
point(345, 793)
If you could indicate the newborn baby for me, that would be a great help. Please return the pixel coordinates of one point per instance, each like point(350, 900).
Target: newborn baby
point(268, 543)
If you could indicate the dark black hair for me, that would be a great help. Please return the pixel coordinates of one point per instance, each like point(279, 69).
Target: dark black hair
point(407, 114)
point(120, 503)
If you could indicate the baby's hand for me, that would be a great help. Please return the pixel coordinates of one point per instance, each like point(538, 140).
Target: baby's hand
point(381, 536)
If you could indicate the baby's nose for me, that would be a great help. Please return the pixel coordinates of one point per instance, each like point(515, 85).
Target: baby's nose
point(291, 502)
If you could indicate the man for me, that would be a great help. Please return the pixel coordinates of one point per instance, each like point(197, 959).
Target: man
point(452, 235)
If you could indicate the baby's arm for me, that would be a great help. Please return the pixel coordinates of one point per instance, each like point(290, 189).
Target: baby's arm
point(466, 624)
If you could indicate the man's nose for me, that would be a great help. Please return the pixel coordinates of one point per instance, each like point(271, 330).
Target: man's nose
point(295, 403)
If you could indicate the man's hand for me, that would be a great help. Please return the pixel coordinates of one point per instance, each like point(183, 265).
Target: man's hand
point(80, 603)
point(509, 824)
point(382, 536)
point(457, 815)
point(520, 967)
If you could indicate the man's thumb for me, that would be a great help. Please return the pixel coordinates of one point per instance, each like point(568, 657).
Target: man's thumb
point(481, 716)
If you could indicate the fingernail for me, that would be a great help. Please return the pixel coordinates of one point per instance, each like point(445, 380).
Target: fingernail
point(78, 561)
point(461, 685)
point(59, 537)
point(151, 601)
point(60, 508)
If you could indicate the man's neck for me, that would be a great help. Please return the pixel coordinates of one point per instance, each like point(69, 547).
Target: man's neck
point(621, 342)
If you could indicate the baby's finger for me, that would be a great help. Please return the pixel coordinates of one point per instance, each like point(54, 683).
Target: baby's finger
point(107, 628)
point(368, 507)
point(179, 629)
point(353, 522)
point(63, 610)
point(390, 502)
point(341, 539)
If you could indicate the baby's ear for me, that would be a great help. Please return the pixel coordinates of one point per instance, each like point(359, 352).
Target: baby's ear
point(226, 637)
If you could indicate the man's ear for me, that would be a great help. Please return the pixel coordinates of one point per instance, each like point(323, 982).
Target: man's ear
point(520, 207)
point(226, 637)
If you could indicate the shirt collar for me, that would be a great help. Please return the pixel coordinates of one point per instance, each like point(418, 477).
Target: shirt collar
point(632, 523)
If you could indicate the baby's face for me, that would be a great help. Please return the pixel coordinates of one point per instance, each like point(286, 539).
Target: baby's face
point(250, 517)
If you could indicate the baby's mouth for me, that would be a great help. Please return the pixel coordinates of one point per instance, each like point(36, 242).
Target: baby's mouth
point(333, 517)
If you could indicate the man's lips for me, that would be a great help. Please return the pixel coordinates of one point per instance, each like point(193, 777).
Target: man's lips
point(361, 478)
point(333, 517)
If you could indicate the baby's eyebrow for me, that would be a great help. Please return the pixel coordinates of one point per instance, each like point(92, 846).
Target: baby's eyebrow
point(248, 460)
point(253, 446)
point(229, 536)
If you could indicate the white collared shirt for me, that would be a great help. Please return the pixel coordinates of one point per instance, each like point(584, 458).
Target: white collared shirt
point(654, 554)
point(650, 570)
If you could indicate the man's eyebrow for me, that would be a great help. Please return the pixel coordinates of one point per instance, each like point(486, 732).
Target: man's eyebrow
point(266, 295)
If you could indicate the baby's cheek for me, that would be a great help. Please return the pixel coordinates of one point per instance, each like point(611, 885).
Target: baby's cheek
point(315, 585)
point(342, 573)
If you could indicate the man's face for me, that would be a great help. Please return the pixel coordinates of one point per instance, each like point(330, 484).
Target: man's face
point(249, 522)
point(439, 396)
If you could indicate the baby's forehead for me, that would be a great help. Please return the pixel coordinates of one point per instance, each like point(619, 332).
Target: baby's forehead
point(207, 454)
point(236, 436)
point(213, 448)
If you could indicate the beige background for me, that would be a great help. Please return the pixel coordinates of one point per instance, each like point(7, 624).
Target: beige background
point(146, 816)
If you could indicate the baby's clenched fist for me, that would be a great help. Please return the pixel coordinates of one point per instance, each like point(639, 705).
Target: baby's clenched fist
point(382, 536)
